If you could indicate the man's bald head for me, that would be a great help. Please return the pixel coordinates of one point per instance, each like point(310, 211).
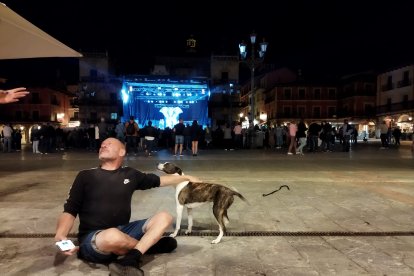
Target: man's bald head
point(111, 150)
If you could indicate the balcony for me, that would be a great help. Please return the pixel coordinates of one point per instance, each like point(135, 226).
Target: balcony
point(35, 101)
point(403, 83)
point(388, 86)
point(396, 107)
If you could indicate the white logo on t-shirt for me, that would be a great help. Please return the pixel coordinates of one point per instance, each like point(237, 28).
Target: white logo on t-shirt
point(126, 181)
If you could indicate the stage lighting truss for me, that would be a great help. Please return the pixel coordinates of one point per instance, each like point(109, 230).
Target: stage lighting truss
point(167, 90)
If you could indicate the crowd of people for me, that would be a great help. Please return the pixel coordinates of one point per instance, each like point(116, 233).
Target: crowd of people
point(185, 138)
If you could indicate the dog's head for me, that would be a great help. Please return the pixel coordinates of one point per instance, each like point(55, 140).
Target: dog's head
point(169, 168)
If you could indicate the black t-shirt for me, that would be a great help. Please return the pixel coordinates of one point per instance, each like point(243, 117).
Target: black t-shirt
point(102, 198)
point(179, 129)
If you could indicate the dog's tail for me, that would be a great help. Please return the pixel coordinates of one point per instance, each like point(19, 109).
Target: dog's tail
point(235, 192)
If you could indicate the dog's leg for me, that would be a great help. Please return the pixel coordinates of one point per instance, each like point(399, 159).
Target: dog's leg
point(190, 220)
point(219, 215)
point(221, 233)
point(180, 209)
point(225, 218)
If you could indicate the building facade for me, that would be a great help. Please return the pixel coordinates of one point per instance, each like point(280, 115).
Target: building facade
point(395, 99)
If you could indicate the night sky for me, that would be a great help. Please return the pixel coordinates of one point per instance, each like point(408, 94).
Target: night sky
point(320, 36)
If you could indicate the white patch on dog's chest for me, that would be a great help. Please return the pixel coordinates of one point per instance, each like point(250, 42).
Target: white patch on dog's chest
point(180, 187)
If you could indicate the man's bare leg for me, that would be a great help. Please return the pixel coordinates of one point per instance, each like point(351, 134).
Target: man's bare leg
point(114, 241)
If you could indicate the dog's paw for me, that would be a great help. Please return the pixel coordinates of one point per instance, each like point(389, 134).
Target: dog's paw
point(188, 232)
point(215, 241)
point(173, 235)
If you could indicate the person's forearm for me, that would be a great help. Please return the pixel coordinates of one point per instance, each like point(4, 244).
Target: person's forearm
point(167, 180)
point(64, 225)
point(3, 95)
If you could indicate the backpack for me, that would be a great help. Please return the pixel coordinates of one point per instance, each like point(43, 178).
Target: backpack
point(130, 130)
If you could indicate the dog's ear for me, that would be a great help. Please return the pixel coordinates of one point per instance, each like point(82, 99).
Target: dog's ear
point(179, 171)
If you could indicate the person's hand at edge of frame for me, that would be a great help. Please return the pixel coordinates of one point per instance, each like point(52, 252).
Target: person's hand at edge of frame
point(12, 95)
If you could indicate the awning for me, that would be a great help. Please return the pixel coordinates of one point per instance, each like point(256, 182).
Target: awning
point(21, 39)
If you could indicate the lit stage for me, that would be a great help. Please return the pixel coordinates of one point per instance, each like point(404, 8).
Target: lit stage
point(163, 100)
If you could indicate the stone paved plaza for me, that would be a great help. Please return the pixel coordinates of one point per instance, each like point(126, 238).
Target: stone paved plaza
point(345, 213)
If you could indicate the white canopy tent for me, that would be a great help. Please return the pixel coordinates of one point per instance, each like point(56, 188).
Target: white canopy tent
point(21, 39)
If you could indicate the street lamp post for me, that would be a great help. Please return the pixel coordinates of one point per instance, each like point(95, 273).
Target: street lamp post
point(231, 103)
point(252, 62)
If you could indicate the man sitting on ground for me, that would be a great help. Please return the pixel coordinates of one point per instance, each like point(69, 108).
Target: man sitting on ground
point(102, 199)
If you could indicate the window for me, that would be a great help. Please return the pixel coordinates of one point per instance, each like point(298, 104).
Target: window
point(406, 75)
point(35, 97)
point(287, 94)
point(317, 94)
point(191, 42)
point(301, 111)
point(302, 93)
point(405, 101)
point(35, 115)
point(224, 77)
point(316, 112)
point(369, 87)
point(114, 116)
point(332, 93)
point(53, 99)
point(331, 111)
point(405, 98)
point(287, 111)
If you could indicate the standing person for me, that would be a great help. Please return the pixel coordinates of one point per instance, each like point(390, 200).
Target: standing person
point(207, 135)
point(279, 136)
point(346, 131)
point(412, 143)
point(227, 137)
point(120, 131)
point(12, 95)
point(293, 128)
point(131, 133)
point(238, 137)
point(149, 133)
point(103, 131)
point(60, 144)
point(384, 135)
point(187, 137)
point(90, 133)
point(301, 136)
point(179, 137)
point(397, 135)
point(17, 138)
point(7, 138)
point(195, 132)
point(102, 199)
point(34, 138)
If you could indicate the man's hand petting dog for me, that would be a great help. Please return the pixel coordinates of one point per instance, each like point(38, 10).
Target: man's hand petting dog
point(191, 194)
point(193, 179)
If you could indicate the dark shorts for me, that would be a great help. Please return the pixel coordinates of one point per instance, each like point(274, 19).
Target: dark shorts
point(89, 252)
point(179, 139)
